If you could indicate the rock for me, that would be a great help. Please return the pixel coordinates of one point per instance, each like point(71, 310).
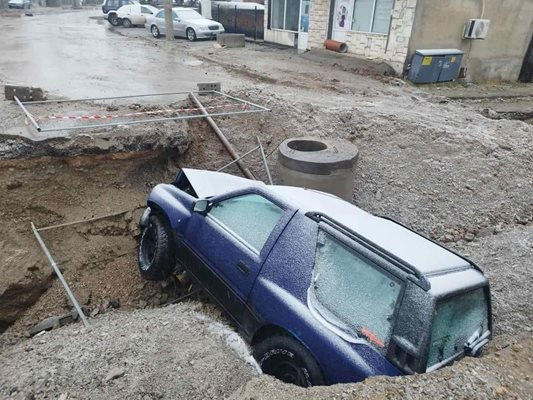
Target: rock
point(142, 303)
point(114, 303)
point(95, 312)
point(469, 237)
point(378, 195)
point(13, 185)
point(501, 391)
point(114, 373)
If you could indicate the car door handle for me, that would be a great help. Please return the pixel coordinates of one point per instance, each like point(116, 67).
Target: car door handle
point(243, 268)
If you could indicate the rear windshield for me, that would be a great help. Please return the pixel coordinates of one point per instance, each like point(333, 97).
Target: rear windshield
point(455, 321)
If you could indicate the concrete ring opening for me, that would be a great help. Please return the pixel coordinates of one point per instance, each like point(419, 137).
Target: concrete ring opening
point(307, 145)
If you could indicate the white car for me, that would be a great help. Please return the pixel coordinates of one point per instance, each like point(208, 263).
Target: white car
point(23, 4)
point(135, 14)
point(187, 23)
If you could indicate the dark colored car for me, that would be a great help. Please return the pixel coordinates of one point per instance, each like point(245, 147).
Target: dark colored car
point(323, 291)
point(108, 6)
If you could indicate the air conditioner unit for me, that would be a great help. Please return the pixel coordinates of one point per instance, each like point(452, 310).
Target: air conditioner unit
point(476, 29)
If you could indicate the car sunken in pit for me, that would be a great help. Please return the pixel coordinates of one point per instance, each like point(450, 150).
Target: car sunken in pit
point(323, 291)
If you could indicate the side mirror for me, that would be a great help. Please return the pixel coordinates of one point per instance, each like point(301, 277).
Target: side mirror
point(202, 206)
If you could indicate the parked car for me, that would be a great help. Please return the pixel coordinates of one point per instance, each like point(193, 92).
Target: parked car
point(22, 4)
point(135, 14)
point(323, 291)
point(187, 23)
point(109, 8)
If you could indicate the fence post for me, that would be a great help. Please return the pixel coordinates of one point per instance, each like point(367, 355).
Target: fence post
point(218, 12)
point(255, 24)
point(235, 30)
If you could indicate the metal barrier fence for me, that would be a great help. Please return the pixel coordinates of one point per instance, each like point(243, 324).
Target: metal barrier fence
point(247, 21)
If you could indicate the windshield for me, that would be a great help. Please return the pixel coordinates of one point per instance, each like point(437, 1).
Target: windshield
point(359, 295)
point(189, 14)
point(456, 320)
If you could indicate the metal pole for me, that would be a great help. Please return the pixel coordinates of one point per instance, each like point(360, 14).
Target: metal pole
point(221, 137)
point(46, 228)
point(238, 159)
point(27, 114)
point(264, 160)
point(143, 121)
point(255, 24)
point(242, 100)
point(120, 97)
point(235, 19)
point(60, 276)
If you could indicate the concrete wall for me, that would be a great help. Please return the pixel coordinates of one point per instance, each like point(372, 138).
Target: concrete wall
point(392, 48)
point(440, 24)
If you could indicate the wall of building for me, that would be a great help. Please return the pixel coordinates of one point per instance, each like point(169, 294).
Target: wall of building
point(392, 48)
point(277, 36)
point(440, 24)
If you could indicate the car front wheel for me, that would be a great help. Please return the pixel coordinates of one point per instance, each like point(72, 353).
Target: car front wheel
point(156, 255)
point(155, 31)
point(288, 360)
point(191, 34)
point(113, 19)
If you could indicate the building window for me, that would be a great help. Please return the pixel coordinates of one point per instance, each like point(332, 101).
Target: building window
point(372, 15)
point(284, 14)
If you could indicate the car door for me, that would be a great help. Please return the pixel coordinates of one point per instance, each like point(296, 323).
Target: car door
point(231, 242)
point(145, 13)
point(179, 24)
point(159, 20)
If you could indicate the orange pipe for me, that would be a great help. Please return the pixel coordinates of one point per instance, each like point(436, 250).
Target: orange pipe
point(335, 45)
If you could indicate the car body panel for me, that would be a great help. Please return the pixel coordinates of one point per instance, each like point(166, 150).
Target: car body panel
point(181, 23)
point(136, 13)
point(113, 5)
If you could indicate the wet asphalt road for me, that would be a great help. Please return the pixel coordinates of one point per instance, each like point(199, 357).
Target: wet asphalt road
point(72, 55)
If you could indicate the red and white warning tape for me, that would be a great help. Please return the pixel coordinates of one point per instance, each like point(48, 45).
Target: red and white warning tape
point(135, 114)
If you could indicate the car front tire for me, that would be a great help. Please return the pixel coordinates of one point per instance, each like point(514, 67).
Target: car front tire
point(288, 360)
point(126, 23)
point(191, 34)
point(156, 256)
point(155, 31)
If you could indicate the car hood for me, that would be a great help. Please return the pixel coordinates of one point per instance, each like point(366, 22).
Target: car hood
point(202, 22)
point(210, 183)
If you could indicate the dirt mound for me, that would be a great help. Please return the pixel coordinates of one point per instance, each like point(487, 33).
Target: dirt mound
point(173, 352)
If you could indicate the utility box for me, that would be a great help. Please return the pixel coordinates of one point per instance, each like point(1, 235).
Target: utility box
point(435, 65)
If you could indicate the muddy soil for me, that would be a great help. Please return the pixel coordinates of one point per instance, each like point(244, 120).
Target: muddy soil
point(97, 258)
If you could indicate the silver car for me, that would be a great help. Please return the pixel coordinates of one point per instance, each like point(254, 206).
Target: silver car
point(187, 23)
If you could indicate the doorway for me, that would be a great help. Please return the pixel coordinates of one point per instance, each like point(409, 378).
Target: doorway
point(526, 73)
point(341, 19)
point(303, 29)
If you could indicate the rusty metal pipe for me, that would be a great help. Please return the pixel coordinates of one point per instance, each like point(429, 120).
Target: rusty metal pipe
point(247, 173)
point(335, 45)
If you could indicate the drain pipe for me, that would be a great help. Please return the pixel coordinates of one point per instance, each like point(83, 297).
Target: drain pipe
point(60, 276)
point(222, 138)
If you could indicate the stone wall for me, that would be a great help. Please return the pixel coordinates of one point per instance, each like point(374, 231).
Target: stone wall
point(392, 48)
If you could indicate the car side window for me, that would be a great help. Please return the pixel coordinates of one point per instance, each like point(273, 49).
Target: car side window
point(160, 14)
point(145, 10)
point(112, 3)
point(174, 16)
point(355, 291)
point(249, 218)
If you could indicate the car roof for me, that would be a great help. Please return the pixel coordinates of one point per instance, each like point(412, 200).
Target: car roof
point(423, 254)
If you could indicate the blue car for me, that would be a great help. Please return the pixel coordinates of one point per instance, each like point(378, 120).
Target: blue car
point(323, 291)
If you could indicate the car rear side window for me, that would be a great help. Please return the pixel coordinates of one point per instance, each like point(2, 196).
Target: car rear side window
point(160, 14)
point(145, 10)
point(250, 218)
point(359, 295)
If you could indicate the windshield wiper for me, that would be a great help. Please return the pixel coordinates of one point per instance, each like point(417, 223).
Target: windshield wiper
point(474, 345)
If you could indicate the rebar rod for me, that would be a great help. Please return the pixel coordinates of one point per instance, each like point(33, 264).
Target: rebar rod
point(46, 228)
point(60, 276)
point(221, 137)
point(264, 160)
point(238, 159)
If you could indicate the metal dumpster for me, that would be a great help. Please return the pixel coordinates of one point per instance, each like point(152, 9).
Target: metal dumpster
point(435, 65)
